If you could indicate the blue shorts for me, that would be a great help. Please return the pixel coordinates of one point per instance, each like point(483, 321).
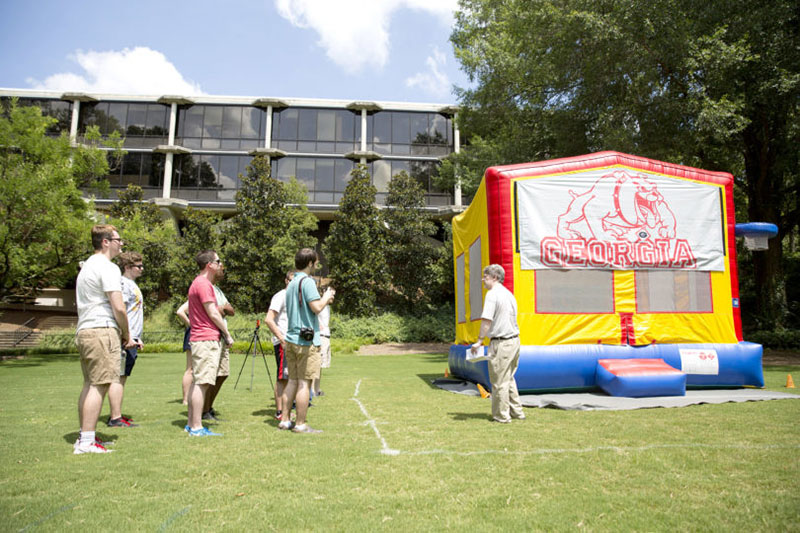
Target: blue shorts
point(186, 346)
point(130, 359)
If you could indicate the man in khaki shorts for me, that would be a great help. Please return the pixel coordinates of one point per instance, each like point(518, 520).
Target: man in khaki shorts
point(499, 323)
point(225, 309)
point(303, 304)
point(102, 331)
point(208, 337)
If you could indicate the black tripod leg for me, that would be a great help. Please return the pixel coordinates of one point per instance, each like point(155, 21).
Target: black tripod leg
point(247, 353)
point(264, 357)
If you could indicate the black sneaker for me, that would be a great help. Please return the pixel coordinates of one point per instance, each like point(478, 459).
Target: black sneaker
point(120, 423)
point(209, 416)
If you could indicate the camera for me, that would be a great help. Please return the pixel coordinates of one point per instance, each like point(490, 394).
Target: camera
point(307, 334)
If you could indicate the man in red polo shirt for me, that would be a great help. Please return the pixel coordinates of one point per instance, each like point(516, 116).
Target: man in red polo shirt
point(208, 332)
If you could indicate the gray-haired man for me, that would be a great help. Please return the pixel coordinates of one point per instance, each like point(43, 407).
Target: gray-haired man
point(499, 323)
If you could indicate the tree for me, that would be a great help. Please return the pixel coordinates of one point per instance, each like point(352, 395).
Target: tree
point(200, 230)
point(708, 84)
point(410, 253)
point(145, 231)
point(44, 222)
point(271, 223)
point(355, 248)
point(131, 202)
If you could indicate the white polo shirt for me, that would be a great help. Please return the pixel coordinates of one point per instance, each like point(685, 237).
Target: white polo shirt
point(500, 307)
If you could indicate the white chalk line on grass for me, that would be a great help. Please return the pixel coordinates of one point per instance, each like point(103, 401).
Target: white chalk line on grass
point(386, 450)
point(168, 522)
point(370, 422)
point(58, 511)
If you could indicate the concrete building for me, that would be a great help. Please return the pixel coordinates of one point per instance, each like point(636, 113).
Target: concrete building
point(189, 150)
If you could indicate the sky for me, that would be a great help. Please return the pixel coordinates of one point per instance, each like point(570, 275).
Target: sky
point(385, 50)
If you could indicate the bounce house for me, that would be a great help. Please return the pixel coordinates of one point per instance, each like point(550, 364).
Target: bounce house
point(624, 272)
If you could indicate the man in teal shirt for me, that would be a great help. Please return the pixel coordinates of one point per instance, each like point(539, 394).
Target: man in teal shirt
point(303, 303)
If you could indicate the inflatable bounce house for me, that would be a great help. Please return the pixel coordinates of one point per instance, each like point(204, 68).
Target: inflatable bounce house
point(624, 271)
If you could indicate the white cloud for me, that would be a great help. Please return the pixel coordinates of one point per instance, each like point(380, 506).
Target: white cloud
point(434, 81)
point(137, 70)
point(355, 33)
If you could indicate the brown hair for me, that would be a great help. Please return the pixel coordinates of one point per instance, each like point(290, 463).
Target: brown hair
point(204, 258)
point(100, 232)
point(303, 257)
point(128, 259)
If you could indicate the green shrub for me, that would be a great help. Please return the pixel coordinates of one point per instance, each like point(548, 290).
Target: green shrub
point(435, 326)
point(781, 339)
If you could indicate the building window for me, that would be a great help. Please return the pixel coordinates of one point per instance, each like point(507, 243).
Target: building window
point(57, 109)
point(324, 178)
point(326, 131)
point(142, 125)
point(383, 170)
point(144, 169)
point(221, 127)
point(208, 177)
point(408, 133)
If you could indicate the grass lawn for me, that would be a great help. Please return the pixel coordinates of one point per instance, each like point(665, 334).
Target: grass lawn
point(699, 468)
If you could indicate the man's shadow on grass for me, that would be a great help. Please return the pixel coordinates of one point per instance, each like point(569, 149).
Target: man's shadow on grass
point(30, 360)
point(269, 417)
point(461, 417)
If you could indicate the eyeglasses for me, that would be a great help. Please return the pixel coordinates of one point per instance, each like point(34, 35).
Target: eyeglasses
point(138, 266)
point(116, 239)
point(218, 261)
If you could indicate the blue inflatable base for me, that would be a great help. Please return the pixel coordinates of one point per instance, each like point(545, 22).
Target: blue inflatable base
point(573, 368)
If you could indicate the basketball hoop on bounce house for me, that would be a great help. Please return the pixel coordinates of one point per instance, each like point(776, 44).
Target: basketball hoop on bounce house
point(756, 234)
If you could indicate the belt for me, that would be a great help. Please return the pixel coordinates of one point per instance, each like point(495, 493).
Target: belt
point(505, 338)
point(326, 336)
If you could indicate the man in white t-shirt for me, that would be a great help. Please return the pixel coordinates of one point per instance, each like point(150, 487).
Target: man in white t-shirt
point(499, 323)
point(102, 331)
point(277, 322)
point(324, 318)
point(132, 268)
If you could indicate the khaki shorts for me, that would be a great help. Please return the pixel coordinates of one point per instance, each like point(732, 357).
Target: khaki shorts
point(100, 350)
point(325, 351)
point(224, 363)
point(302, 362)
point(206, 357)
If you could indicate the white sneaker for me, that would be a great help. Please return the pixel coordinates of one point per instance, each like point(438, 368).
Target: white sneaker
point(89, 448)
point(98, 441)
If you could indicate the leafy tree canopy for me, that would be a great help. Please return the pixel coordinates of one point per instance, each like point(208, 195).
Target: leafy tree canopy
point(272, 222)
point(44, 222)
point(410, 252)
point(355, 248)
point(709, 84)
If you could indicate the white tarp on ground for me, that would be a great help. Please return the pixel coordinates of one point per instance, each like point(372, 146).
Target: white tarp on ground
point(591, 401)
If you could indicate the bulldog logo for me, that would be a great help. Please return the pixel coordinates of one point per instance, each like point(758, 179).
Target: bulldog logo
point(618, 207)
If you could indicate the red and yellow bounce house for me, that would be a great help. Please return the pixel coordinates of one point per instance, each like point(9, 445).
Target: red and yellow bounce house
point(610, 257)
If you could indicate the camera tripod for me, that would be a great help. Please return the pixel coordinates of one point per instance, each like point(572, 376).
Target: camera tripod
point(255, 346)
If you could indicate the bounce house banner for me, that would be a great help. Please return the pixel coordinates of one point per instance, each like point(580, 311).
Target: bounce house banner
point(619, 220)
